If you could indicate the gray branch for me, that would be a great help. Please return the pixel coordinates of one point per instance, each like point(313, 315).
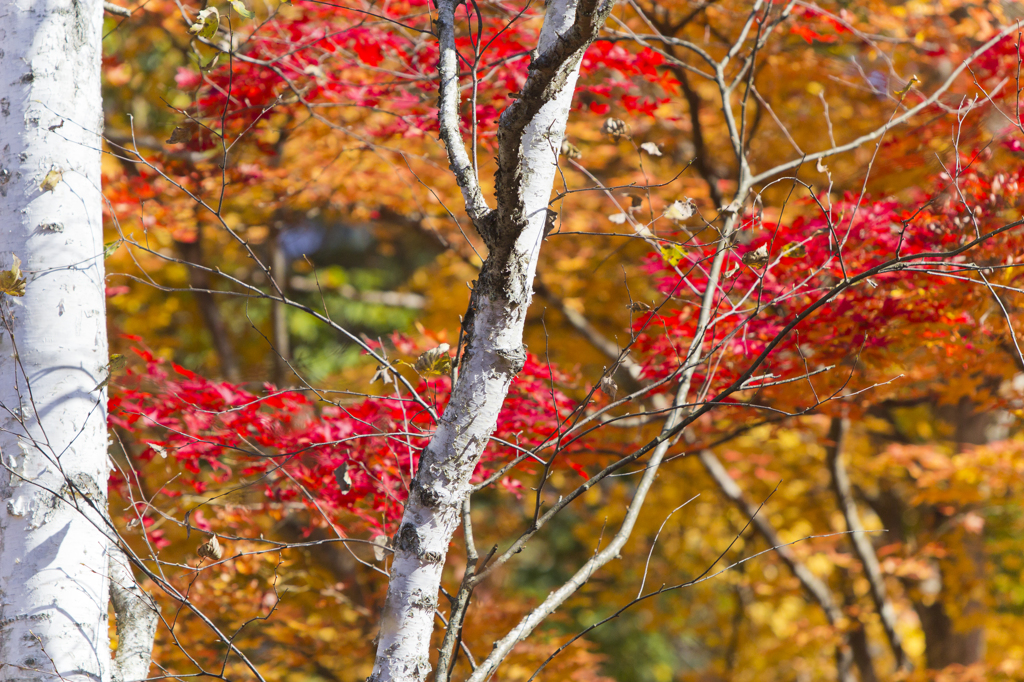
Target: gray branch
point(116, 9)
point(817, 590)
point(861, 543)
point(450, 119)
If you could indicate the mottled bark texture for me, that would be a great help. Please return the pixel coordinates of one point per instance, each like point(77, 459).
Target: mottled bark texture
point(53, 346)
point(137, 618)
point(530, 135)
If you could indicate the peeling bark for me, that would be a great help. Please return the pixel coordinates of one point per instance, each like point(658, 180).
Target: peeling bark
point(53, 359)
point(137, 618)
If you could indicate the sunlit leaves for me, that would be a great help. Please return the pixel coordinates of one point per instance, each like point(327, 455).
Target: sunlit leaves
point(242, 10)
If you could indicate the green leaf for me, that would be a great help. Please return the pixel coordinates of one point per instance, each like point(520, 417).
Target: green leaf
point(110, 247)
point(207, 23)
point(240, 7)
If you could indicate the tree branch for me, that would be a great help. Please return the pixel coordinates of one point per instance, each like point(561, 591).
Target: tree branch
point(892, 123)
point(673, 422)
point(450, 121)
point(838, 432)
point(815, 588)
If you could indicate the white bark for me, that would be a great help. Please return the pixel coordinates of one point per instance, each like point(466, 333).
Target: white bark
point(53, 442)
point(137, 617)
point(530, 136)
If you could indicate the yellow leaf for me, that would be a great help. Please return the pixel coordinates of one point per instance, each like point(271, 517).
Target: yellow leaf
point(242, 10)
point(794, 250)
point(11, 281)
point(672, 254)
point(207, 24)
point(51, 180)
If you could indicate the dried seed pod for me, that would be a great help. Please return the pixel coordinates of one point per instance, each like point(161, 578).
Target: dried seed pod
point(571, 151)
point(616, 128)
point(608, 387)
point(211, 549)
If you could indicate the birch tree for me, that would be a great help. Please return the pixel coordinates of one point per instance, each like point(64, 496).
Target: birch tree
point(530, 137)
point(55, 537)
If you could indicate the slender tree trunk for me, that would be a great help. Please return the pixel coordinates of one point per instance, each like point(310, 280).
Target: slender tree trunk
point(529, 137)
point(209, 309)
point(281, 353)
point(53, 438)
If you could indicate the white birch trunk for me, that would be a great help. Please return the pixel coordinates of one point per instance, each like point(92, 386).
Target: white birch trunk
point(53, 347)
point(494, 356)
point(137, 619)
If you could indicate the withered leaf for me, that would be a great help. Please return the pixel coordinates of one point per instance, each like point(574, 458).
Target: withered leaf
point(757, 258)
point(651, 148)
point(180, 135)
point(680, 210)
point(435, 362)
point(206, 24)
point(382, 374)
point(608, 387)
point(51, 180)
point(11, 281)
point(211, 549)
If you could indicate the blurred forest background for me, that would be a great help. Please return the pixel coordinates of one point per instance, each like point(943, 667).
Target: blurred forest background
point(326, 166)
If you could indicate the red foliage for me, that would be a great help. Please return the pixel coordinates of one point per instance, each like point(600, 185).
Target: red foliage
point(291, 443)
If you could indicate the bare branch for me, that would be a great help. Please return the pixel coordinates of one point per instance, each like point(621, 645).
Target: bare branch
point(838, 432)
point(450, 120)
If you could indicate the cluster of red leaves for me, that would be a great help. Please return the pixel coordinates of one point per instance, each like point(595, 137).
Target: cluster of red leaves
point(903, 308)
point(350, 58)
point(291, 445)
point(809, 22)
